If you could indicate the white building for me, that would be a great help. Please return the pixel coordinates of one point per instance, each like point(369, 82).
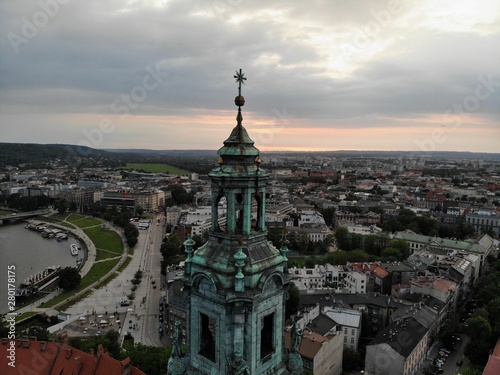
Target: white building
point(484, 220)
point(350, 323)
point(336, 278)
point(310, 217)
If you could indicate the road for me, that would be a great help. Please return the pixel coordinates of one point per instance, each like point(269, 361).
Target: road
point(151, 265)
point(139, 317)
point(450, 367)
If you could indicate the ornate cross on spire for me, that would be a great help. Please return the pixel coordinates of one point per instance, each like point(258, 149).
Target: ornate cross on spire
point(240, 78)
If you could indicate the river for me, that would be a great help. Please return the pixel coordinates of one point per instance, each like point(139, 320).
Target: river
point(30, 253)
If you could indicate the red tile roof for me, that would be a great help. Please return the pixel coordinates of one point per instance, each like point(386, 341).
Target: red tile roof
point(372, 267)
point(55, 358)
point(493, 365)
point(310, 344)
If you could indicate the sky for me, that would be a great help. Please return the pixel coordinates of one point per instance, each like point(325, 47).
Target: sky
point(410, 75)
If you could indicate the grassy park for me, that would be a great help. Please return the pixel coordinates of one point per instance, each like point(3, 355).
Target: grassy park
point(108, 245)
point(155, 168)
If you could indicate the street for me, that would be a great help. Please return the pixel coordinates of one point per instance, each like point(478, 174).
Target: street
point(450, 367)
point(150, 334)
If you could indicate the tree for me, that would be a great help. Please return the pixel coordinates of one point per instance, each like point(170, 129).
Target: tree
point(342, 237)
point(494, 315)
point(61, 205)
point(139, 210)
point(351, 360)
point(477, 351)
point(328, 215)
point(472, 371)
point(396, 250)
point(69, 278)
point(450, 328)
point(293, 302)
point(150, 359)
point(429, 370)
point(479, 330)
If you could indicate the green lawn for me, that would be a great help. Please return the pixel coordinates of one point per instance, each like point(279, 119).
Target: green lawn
point(108, 245)
point(82, 221)
point(105, 254)
point(57, 220)
point(97, 271)
point(105, 239)
point(155, 168)
point(125, 264)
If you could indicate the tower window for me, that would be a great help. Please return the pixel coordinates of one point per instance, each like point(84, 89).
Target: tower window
point(267, 337)
point(207, 339)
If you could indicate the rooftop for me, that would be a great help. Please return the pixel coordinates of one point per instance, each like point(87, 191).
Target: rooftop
point(403, 336)
point(344, 317)
point(58, 358)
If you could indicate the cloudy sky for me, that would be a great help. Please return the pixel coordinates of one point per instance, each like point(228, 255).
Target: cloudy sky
point(321, 75)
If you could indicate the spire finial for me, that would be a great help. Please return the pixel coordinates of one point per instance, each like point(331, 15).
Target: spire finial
point(239, 100)
point(240, 78)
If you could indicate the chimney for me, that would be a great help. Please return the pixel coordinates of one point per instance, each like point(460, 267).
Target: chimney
point(100, 350)
point(68, 352)
point(43, 346)
point(126, 369)
point(78, 364)
point(25, 343)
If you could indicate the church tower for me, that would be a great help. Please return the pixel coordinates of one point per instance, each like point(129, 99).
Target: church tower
point(236, 281)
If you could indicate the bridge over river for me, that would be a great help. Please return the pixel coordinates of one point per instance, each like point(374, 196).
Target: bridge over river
point(19, 216)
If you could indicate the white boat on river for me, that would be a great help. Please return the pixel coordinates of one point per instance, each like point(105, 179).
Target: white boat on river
point(74, 249)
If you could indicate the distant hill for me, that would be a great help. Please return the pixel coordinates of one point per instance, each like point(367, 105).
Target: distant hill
point(455, 155)
point(196, 153)
point(33, 155)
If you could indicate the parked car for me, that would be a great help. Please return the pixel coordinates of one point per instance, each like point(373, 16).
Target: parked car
point(438, 362)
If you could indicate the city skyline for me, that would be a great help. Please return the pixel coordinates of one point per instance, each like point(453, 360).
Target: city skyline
point(363, 75)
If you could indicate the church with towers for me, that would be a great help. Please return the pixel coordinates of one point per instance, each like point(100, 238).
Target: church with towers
point(236, 283)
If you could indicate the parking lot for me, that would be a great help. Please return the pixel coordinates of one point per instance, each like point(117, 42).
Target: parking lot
point(96, 324)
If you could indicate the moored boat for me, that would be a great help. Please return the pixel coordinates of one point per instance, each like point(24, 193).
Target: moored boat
point(74, 249)
point(36, 282)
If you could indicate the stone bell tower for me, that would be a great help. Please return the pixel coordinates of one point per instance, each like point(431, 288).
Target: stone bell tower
point(236, 281)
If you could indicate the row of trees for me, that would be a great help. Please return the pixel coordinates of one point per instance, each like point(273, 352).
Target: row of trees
point(374, 246)
point(18, 202)
point(483, 327)
point(118, 217)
